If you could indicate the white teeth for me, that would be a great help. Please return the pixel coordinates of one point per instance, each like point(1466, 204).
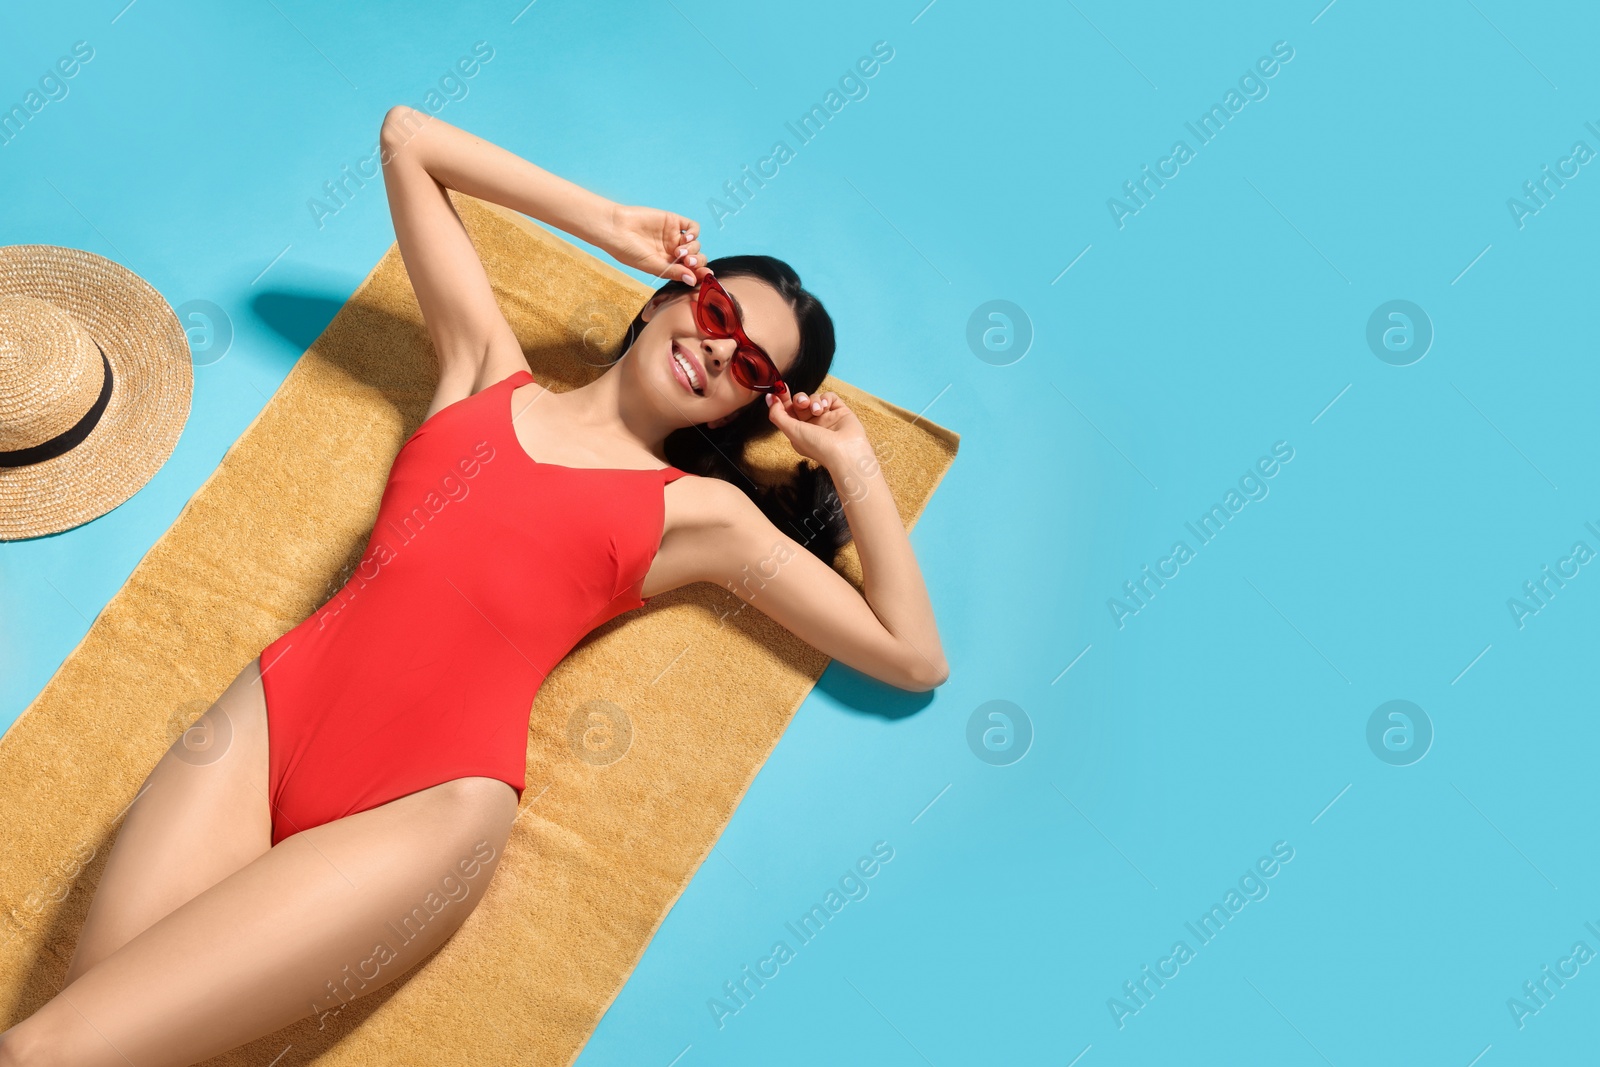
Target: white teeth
point(688, 370)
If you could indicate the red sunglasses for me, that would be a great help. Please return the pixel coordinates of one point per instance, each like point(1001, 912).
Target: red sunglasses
point(715, 314)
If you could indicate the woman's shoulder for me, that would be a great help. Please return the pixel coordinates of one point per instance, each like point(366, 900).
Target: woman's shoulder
point(715, 502)
point(499, 368)
point(458, 385)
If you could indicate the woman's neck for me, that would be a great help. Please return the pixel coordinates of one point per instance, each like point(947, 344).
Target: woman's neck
point(602, 411)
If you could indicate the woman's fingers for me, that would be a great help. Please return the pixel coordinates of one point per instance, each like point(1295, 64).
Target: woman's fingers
point(688, 254)
point(808, 404)
point(681, 244)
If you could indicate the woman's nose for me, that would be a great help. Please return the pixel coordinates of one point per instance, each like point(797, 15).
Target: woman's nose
point(717, 351)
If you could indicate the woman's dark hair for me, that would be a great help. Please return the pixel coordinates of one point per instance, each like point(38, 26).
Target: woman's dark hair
point(805, 505)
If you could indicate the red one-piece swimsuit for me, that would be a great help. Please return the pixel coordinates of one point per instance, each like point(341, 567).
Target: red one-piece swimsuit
point(484, 568)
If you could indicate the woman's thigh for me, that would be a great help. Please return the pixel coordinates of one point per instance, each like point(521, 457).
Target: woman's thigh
point(331, 914)
point(201, 815)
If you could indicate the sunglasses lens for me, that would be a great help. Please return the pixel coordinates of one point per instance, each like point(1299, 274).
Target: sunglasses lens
point(715, 312)
point(752, 371)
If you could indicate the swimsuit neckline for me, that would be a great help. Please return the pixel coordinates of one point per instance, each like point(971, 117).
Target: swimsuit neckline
point(636, 589)
point(511, 427)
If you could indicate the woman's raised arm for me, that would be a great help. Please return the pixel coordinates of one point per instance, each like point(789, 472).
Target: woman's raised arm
point(422, 157)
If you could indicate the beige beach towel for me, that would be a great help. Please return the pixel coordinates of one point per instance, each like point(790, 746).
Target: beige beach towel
point(600, 851)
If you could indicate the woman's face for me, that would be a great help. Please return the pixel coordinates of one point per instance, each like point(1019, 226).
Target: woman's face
point(706, 391)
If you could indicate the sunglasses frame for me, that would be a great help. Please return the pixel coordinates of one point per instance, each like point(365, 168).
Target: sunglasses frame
point(745, 346)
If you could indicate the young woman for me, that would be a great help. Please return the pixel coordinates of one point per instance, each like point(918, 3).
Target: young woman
point(252, 885)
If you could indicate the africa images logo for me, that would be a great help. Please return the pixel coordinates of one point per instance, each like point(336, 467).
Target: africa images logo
point(852, 886)
point(852, 87)
point(1139, 592)
point(1211, 123)
point(1252, 887)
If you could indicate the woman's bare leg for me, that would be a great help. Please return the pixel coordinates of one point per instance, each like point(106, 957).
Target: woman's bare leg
point(201, 815)
point(330, 914)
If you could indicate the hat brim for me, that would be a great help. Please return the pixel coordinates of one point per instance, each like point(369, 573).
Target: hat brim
point(152, 385)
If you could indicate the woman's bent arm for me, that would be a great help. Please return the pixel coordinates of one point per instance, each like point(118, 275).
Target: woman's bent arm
point(888, 633)
point(893, 581)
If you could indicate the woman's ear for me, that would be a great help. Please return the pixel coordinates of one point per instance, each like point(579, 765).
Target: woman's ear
point(652, 304)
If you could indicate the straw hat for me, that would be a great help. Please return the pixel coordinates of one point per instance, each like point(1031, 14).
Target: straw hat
point(95, 380)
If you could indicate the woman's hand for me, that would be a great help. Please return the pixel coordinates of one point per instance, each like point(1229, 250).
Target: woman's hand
point(662, 243)
point(819, 426)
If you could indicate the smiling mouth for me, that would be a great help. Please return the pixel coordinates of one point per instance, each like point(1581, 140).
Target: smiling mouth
point(686, 367)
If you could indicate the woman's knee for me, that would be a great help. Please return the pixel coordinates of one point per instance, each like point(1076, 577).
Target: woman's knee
point(36, 1042)
point(18, 1048)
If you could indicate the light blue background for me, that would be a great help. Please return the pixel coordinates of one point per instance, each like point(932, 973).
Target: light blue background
point(1223, 317)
